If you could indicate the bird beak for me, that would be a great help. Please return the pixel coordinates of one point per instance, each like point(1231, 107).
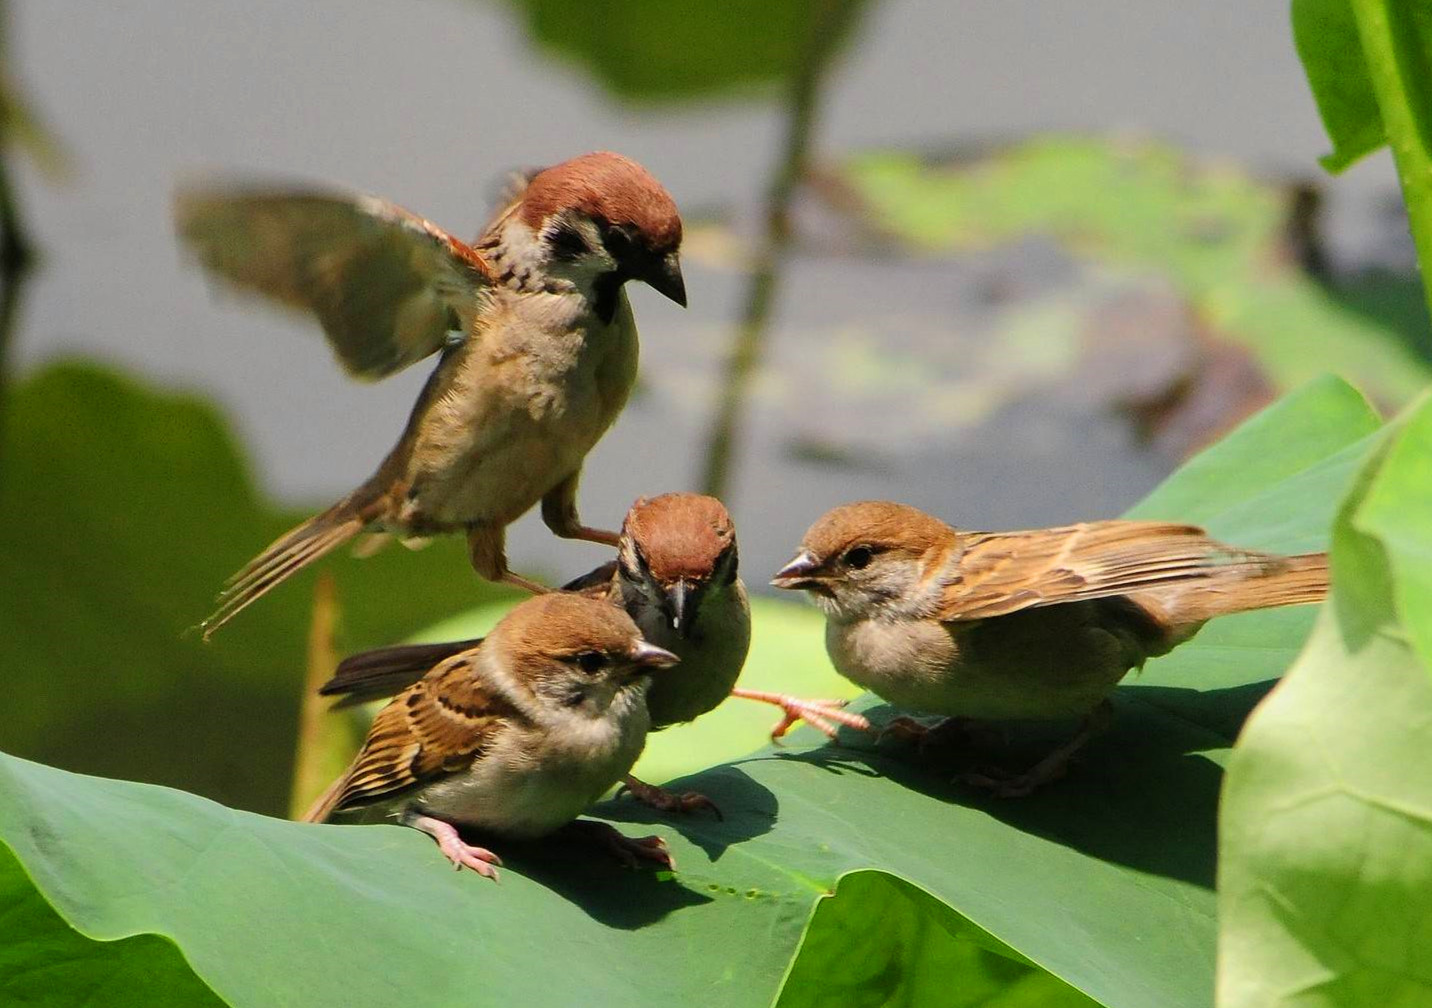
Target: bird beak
point(682, 600)
point(664, 276)
point(801, 574)
point(648, 657)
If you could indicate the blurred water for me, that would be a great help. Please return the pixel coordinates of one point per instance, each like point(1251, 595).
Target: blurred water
point(429, 101)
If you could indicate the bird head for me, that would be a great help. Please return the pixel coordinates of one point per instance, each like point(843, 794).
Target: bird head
point(676, 549)
point(871, 556)
point(581, 653)
point(600, 220)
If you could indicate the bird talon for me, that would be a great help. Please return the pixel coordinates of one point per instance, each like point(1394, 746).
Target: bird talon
point(687, 802)
point(819, 714)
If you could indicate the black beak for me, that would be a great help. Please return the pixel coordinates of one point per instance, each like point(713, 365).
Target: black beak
point(802, 573)
point(663, 273)
point(682, 601)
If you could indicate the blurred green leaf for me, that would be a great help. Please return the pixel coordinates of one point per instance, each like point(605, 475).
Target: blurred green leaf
point(1326, 865)
point(122, 510)
point(1104, 881)
point(651, 50)
point(1325, 32)
point(1215, 232)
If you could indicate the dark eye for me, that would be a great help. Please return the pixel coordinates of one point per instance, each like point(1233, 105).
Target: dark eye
point(859, 557)
point(590, 661)
point(567, 243)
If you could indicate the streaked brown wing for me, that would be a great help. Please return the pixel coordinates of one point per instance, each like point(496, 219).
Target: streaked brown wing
point(1004, 572)
point(438, 725)
point(386, 285)
point(373, 675)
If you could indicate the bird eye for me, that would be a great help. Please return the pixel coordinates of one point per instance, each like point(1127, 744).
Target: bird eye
point(567, 242)
point(859, 557)
point(590, 661)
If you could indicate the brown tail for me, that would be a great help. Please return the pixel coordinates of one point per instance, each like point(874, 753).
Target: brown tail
point(323, 805)
point(1293, 580)
point(290, 553)
point(385, 672)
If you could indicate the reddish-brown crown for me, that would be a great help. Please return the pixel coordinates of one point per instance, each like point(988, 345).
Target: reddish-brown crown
point(559, 623)
point(608, 187)
point(895, 527)
point(681, 535)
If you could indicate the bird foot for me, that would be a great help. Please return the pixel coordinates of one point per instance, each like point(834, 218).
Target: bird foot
point(461, 854)
point(685, 802)
point(630, 851)
point(822, 715)
point(950, 732)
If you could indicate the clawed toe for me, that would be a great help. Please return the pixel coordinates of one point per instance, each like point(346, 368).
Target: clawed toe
point(685, 802)
point(823, 715)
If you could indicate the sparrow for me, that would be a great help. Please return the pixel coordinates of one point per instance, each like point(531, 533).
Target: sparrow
point(536, 341)
point(676, 576)
point(516, 736)
point(1038, 624)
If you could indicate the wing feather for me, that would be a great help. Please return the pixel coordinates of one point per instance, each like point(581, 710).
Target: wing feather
point(386, 285)
point(438, 725)
point(1005, 572)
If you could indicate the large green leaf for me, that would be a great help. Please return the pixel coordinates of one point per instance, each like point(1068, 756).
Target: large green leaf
point(122, 510)
point(1104, 882)
point(1326, 867)
point(1217, 234)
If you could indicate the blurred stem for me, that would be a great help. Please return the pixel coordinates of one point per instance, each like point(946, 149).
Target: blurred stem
point(830, 20)
point(1399, 62)
point(17, 254)
point(322, 750)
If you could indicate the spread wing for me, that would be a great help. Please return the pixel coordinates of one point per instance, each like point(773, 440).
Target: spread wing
point(438, 725)
point(386, 285)
point(1004, 572)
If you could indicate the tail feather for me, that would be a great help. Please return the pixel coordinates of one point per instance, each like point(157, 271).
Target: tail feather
point(1181, 610)
point(323, 805)
point(291, 552)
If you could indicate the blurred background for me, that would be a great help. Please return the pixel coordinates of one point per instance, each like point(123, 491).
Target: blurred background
point(1006, 261)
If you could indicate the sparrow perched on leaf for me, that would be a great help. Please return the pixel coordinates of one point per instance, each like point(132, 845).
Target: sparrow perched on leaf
point(676, 576)
point(1039, 624)
point(538, 345)
point(516, 736)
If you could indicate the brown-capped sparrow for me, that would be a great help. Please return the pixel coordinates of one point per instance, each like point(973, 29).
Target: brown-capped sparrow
point(538, 345)
point(676, 576)
point(515, 737)
point(1038, 624)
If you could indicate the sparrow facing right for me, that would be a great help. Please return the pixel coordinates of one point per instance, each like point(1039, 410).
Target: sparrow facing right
point(538, 344)
point(676, 576)
point(1039, 624)
point(517, 736)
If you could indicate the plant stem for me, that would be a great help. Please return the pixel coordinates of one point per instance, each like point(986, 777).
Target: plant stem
point(321, 751)
point(1399, 62)
point(830, 22)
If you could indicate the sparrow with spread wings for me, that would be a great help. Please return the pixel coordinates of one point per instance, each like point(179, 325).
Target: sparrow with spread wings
point(537, 344)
